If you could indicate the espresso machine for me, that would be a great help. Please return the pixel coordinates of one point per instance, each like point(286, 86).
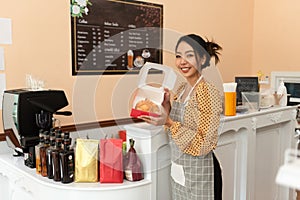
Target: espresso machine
point(25, 112)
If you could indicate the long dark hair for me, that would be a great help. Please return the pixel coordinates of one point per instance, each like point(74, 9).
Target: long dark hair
point(202, 48)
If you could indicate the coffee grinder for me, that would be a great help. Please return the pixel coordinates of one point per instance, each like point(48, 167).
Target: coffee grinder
point(25, 112)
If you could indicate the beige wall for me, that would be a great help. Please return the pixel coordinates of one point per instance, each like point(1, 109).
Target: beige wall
point(41, 47)
point(228, 22)
point(276, 36)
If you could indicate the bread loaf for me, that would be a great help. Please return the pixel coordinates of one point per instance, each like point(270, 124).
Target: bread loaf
point(147, 106)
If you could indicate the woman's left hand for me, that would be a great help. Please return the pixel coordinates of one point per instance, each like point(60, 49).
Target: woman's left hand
point(163, 118)
point(157, 120)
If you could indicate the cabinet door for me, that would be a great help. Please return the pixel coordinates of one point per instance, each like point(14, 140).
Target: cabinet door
point(232, 155)
point(271, 143)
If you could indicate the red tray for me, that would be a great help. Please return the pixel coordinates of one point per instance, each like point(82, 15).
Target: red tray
point(135, 113)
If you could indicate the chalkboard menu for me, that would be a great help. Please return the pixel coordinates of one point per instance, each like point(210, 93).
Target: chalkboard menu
point(115, 36)
point(245, 84)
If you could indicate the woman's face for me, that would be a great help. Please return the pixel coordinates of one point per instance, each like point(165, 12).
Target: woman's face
point(186, 60)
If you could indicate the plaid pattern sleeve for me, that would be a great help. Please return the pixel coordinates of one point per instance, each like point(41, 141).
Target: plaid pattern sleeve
point(198, 135)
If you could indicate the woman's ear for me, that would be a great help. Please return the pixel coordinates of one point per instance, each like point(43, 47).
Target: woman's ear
point(203, 60)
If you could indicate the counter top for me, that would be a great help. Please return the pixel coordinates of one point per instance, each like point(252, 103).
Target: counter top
point(21, 182)
point(260, 112)
point(17, 164)
point(258, 119)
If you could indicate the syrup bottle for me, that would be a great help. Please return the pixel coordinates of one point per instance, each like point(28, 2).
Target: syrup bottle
point(49, 154)
point(67, 162)
point(66, 135)
point(55, 159)
point(43, 154)
point(38, 165)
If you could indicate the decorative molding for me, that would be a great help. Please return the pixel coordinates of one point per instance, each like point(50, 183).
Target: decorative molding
point(254, 123)
point(286, 76)
point(99, 124)
point(86, 126)
point(10, 133)
point(275, 117)
point(2, 137)
point(294, 115)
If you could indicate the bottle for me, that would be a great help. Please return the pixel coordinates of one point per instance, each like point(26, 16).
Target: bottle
point(67, 162)
point(122, 135)
point(49, 154)
point(134, 167)
point(282, 94)
point(43, 154)
point(66, 135)
point(55, 159)
point(37, 152)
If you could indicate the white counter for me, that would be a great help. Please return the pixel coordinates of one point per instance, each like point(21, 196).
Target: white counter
point(251, 149)
point(20, 182)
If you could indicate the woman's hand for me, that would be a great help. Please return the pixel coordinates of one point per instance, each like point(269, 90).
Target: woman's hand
point(157, 120)
point(163, 118)
point(166, 104)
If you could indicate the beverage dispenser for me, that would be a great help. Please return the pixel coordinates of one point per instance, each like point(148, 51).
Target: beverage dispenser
point(25, 112)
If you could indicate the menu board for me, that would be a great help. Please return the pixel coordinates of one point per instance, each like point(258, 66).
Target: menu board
point(115, 36)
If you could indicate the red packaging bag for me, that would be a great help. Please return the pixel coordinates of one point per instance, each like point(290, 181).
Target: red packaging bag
point(111, 161)
point(133, 166)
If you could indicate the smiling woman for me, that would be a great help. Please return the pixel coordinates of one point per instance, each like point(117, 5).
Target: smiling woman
point(192, 120)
